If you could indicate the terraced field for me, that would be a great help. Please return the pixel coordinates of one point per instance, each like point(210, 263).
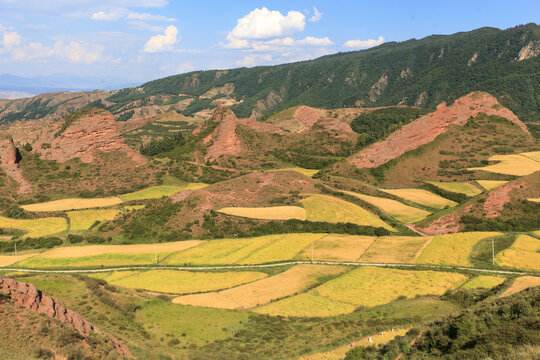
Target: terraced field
point(257, 250)
point(94, 256)
point(395, 249)
point(515, 164)
point(490, 184)
point(7, 260)
point(523, 254)
point(81, 220)
point(520, 284)
point(483, 282)
point(422, 197)
point(363, 287)
point(399, 211)
point(156, 192)
point(336, 247)
point(334, 210)
point(35, 228)
point(290, 282)
point(464, 188)
point(452, 249)
point(72, 204)
point(306, 172)
point(267, 213)
point(179, 282)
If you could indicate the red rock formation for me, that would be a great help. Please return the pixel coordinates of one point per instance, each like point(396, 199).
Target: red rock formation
point(444, 225)
point(307, 116)
point(28, 296)
point(9, 163)
point(226, 140)
point(428, 127)
point(499, 197)
point(95, 131)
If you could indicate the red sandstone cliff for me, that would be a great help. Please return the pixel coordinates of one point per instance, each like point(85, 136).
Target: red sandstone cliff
point(9, 163)
point(428, 127)
point(28, 296)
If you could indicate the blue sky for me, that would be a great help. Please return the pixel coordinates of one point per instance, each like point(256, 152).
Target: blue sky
point(139, 40)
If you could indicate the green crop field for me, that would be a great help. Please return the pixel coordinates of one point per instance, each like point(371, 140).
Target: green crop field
point(72, 204)
point(267, 213)
point(422, 197)
point(457, 187)
point(365, 286)
point(452, 249)
point(81, 220)
point(179, 282)
point(34, 228)
point(523, 254)
point(306, 172)
point(395, 249)
point(483, 282)
point(154, 192)
point(290, 282)
point(399, 211)
point(334, 210)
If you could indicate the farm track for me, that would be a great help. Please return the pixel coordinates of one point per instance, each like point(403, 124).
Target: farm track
point(288, 263)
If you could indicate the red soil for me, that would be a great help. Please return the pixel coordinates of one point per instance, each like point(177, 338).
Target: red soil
point(428, 127)
point(499, 197)
point(226, 140)
point(8, 163)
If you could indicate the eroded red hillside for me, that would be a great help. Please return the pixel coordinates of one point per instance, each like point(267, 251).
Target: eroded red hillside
point(9, 164)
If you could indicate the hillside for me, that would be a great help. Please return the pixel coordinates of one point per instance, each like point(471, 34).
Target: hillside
point(421, 72)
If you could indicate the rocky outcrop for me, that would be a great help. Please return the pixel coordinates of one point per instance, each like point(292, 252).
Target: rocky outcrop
point(264, 106)
point(28, 296)
point(94, 131)
point(9, 162)
point(426, 128)
point(378, 88)
point(532, 49)
point(499, 197)
point(225, 139)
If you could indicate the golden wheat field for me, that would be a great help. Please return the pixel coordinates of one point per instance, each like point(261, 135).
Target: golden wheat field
point(365, 286)
point(521, 283)
point(515, 164)
point(80, 220)
point(267, 213)
point(34, 228)
point(422, 197)
point(523, 254)
point(335, 210)
point(534, 199)
point(452, 249)
point(7, 260)
point(491, 184)
point(335, 247)
point(464, 188)
point(72, 204)
point(483, 282)
point(290, 282)
point(535, 155)
point(395, 249)
point(399, 211)
point(179, 282)
point(306, 172)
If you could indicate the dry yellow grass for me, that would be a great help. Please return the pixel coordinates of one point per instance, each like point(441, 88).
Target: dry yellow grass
point(534, 199)
point(365, 286)
point(457, 187)
point(522, 283)
point(422, 197)
point(452, 249)
point(306, 172)
point(334, 210)
point(395, 249)
point(248, 296)
point(93, 250)
point(180, 282)
point(34, 228)
point(523, 254)
point(515, 164)
point(491, 184)
point(83, 219)
point(483, 282)
point(399, 211)
point(340, 352)
point(337, 248)
point(6, 260)
point(72, 204)
point(267, 213)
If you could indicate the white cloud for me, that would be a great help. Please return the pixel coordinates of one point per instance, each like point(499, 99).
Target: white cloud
point(313, 41)
point(148, 17)
point(363, 44)
point(77, 52)
point(266, 24)
point(317, 15)
point(254, 59)
point(123, 13)
point(31, 51)
point(11, 39)
point(102, 15)
point(161, 43)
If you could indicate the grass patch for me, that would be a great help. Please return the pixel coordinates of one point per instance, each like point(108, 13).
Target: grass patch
point(483, 282)
point(422, 197)
point(84, 219)
point(464, 188)
point(154, 192)
point(35, 228)
point(72, 204)
point(306, 172)
point(482, 253)
point(267, 213)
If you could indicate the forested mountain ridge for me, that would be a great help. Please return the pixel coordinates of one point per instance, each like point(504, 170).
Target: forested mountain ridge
point(421, 72)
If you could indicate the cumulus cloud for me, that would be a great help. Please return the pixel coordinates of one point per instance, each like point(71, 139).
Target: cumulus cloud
point(11, 39)
point(162, 43)
point(31, 51)
point(254, 59)
point(313, 41)
point(107, 16)
point(265, 24)
point(363, 44)
point(77, 52)
point(317, 15)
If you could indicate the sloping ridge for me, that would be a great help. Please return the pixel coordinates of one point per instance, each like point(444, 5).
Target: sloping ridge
point(426, 128)
point(28, 296)
point(9, 163)
point(91, 132)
